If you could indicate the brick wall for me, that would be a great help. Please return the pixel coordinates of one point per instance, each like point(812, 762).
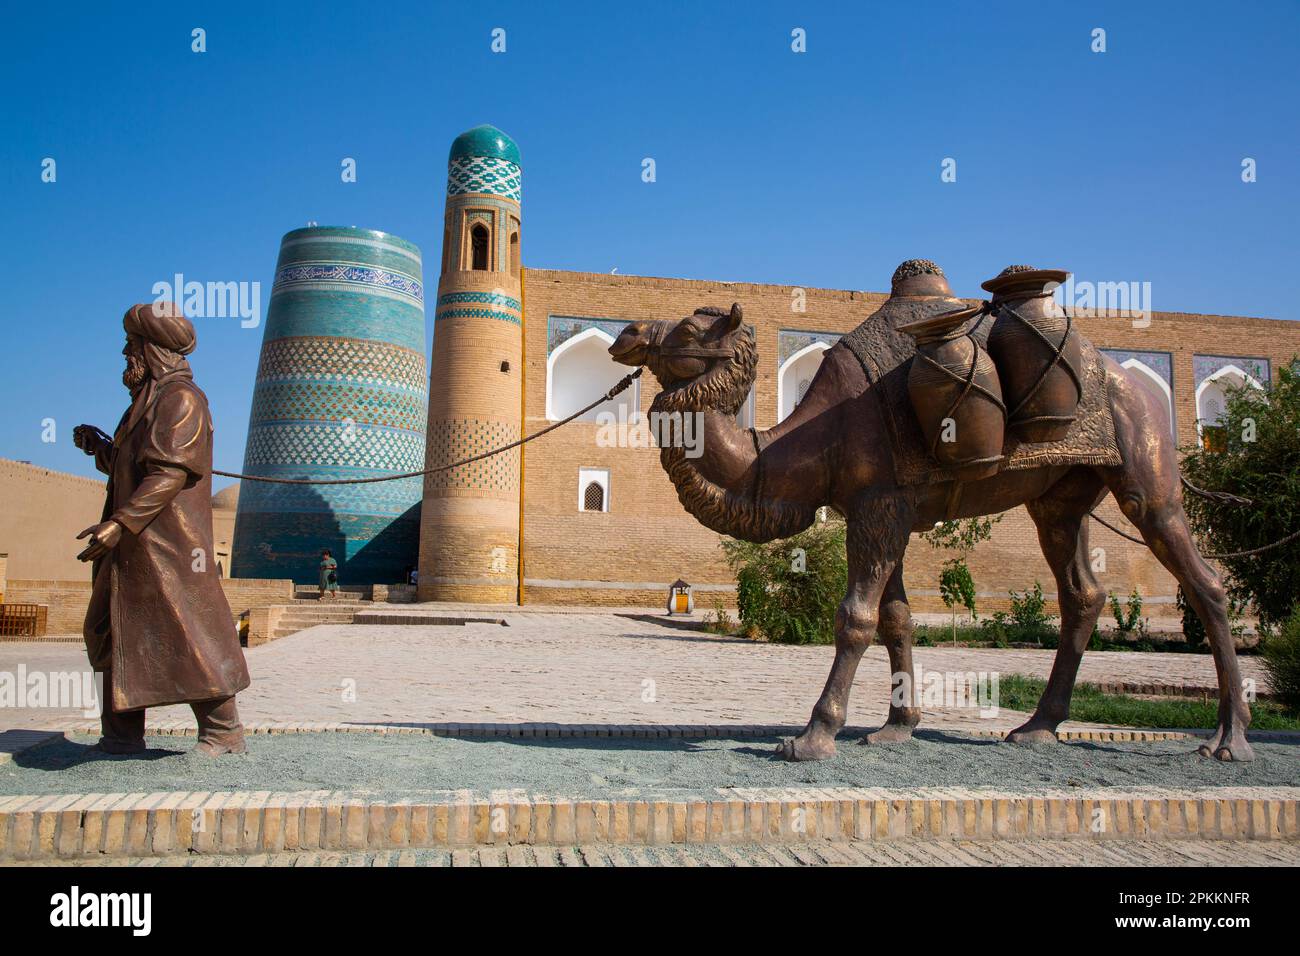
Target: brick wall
point(67, 600)
point(646, 540)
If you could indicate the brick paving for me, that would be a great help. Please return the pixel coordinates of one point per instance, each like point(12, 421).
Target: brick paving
point(1035, 853)
point(585, 668)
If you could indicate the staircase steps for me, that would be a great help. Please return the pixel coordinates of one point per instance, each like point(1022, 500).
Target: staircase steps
point(302, 615)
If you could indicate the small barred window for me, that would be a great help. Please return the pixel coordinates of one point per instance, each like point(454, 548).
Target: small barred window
point(593, 499)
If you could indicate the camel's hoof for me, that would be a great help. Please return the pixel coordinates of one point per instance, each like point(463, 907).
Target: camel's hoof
point(889, 734)
point(1239, 752)
point(806, 748)
point(1227, 746)
point(1032, 735)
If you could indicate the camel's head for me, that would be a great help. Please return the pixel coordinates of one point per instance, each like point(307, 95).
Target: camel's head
point(683, 351)
point(707, 359)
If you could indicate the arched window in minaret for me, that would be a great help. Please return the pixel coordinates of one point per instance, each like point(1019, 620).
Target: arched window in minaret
point(514, 253)
point(446, 249)
point(478, 241)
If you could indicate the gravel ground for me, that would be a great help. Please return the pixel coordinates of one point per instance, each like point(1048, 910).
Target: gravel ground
point(602, 767)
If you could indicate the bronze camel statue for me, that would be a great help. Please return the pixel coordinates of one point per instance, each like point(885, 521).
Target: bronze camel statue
point(835, 450)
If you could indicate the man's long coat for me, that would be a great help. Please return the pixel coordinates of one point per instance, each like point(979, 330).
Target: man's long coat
point(158, 616)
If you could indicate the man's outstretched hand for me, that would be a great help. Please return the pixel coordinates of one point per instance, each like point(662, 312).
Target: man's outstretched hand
point(103, 539)
point(89, 439)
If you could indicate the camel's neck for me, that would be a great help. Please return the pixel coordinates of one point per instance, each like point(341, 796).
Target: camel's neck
point(720, 475)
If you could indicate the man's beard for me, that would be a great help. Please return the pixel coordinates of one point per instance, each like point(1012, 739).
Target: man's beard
point(135, 373)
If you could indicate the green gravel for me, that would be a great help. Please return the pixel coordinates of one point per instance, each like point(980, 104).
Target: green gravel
point(397, 764)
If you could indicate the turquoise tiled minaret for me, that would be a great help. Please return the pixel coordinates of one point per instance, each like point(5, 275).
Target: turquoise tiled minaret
point(469, 539)
point(341, 392)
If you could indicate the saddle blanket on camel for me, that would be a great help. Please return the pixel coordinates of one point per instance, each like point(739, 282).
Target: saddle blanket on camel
point(886, 355)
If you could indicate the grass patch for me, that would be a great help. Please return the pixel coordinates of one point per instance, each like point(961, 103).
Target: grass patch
point(969, 635)
point(1091, 704)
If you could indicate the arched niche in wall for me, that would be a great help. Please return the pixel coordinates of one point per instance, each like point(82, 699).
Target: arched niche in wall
point(795, 376)
point(578, 370)
point(1154, 383)
point(1212, 400)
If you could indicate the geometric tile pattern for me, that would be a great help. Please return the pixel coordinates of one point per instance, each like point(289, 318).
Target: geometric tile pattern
point(336, 359)
point(336, 401)
point(453, 440)
point(482, 174)
point(490, 298)
point(305, 447)
point(476, 314)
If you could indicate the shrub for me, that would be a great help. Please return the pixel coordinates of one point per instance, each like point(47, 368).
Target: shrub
point(1028, 621)
point(788, 590)
point(1128, 620)
point(1281, 658)
point(719, 622)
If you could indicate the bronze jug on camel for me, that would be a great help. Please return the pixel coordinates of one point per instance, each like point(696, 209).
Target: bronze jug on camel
point(956, 394)
point(1037, 351)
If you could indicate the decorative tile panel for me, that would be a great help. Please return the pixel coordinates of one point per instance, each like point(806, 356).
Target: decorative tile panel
point(561, 328)
point(482, 174)
point(788, 342)
point(1203, 366)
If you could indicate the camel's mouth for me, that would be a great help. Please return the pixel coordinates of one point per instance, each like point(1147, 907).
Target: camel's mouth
point(629, 353)
point(632, 347)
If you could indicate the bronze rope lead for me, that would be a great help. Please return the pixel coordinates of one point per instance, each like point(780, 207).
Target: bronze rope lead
point(622, 386)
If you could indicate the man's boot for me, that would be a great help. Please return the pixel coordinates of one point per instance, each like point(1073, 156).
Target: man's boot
point(220, 731)
point(122, 731)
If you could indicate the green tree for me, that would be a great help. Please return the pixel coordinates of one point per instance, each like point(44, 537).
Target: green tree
point(1253, 452)
point(956, 586)
point(789, 590)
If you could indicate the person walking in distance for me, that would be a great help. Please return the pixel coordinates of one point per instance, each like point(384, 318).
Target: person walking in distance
point(329, 576)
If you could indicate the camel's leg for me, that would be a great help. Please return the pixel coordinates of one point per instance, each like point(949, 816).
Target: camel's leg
point(1061, 517)
point(895, 629)
point(1163, 524)
point(877, 538)
point(1148, 491)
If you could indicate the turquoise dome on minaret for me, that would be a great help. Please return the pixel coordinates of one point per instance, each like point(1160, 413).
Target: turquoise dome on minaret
point(484, 160)
point(484, 142)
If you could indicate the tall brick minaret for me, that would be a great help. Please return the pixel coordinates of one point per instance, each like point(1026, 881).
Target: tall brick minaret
point(469, 528)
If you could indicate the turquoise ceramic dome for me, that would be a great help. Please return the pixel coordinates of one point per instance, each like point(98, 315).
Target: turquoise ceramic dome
point(484, 142)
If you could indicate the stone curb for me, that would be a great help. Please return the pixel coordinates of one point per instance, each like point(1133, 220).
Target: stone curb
point(182, 727)
point(93, 826)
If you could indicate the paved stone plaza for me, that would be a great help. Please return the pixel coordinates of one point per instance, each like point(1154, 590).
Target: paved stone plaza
point(620, 674)
point(598, 668)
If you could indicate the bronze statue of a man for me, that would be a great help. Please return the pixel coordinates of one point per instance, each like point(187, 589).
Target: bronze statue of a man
point(158, 627)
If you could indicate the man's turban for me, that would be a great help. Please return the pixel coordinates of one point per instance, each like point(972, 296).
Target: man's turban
point(163, 324)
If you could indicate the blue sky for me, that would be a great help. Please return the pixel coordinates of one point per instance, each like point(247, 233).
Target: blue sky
point(816, 169)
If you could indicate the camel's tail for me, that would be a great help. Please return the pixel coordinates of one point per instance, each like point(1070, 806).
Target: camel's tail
point(1222, 497)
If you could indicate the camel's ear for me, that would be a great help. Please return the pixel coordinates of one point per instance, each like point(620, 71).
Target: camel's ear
point(737, 317)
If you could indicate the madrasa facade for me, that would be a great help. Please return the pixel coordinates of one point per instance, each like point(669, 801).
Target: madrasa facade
point(583, 515)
